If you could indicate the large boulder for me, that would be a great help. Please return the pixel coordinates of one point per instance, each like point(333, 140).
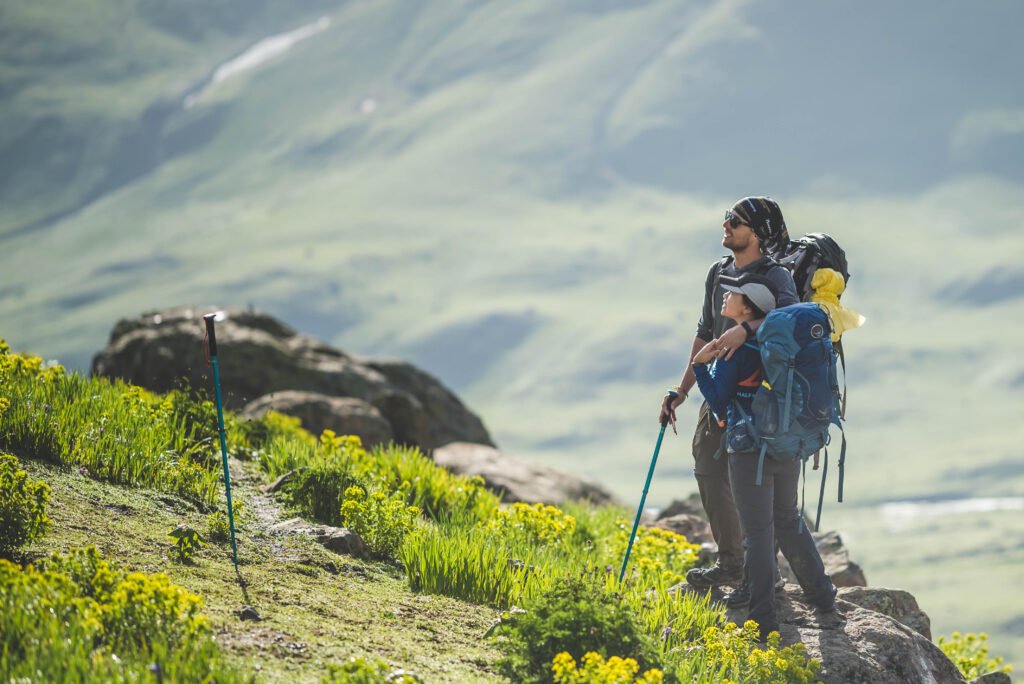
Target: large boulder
point(259, 355)
point(856, 645)
point(319, 412)
point(691, 506)
point(697, 530)
point(518, 480)
point(898, 604)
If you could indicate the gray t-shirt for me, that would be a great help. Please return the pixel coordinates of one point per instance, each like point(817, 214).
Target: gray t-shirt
point(712, 323)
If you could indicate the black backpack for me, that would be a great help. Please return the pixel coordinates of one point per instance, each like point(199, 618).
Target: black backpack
point(805, 256)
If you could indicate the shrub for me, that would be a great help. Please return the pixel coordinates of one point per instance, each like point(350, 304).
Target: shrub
point(324, 470)
point(187, 542)
point(576, 616)
point(317, 491)
point(655, 552)
point(615, 670)
point(731, 654)
point(362, 671)
point(77, 618)
point(270, 427)
point(22, 506)
point(536, 524)
point(218, 526)
point(381, 520)
point(969, 652)
point(438, 493)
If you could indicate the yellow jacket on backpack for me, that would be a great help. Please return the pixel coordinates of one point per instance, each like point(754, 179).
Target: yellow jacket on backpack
point(827, 285)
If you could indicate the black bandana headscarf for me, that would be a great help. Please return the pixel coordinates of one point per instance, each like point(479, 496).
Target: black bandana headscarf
point(764, 216)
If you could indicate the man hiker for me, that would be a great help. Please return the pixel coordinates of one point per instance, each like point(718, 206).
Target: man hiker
point(753, 230)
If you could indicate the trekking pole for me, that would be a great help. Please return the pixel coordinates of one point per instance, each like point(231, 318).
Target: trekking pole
point(211, 352)
point(650, 473)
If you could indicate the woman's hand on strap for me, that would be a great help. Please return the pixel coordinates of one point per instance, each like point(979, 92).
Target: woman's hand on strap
point(709, 352)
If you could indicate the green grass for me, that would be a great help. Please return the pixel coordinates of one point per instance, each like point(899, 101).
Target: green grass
point(115, 432)
point(358, 608)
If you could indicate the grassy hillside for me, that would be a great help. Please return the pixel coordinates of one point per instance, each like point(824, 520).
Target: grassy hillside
point(95, 587)
point(359, 609)
point(524, 199)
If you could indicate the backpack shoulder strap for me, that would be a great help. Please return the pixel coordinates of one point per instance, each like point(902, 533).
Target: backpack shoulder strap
point(719, 267)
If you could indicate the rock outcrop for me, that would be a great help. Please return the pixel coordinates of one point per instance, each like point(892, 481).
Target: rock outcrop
point(319, 412)
point(261, 357)
point(518, 480)
point(898, 604)
point(697, 530)
point(855, 645)
point(690, 505)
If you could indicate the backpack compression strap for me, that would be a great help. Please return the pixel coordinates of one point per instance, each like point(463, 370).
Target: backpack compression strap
point(842, 360)
point(759, 480)
point(821, 493)
point(789, 395)
point(842, 464)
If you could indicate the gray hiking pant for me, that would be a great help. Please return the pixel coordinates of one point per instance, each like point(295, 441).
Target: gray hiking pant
point(716, 492)
point(769, 515)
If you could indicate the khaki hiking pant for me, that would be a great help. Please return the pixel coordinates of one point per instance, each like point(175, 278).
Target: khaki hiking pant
point(716, 490)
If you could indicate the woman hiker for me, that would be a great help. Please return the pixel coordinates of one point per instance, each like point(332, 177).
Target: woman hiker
point(768, 512)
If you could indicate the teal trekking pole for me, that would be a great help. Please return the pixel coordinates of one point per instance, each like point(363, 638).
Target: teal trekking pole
point(647, 485)
point(211, 353)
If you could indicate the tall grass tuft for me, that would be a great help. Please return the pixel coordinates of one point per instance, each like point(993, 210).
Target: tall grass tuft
point(114, 431)
point(322, 470)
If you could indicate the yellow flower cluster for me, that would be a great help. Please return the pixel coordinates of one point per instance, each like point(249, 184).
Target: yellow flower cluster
point(534, 523)
point(350, 445)
point(144, 403)
point(731, 650)
point(84, 595)
point(26, 366)
point(656, 552)
point(970, 654)
point(593, 669)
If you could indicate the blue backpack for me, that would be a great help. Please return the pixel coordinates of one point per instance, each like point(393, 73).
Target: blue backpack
point(799, 397)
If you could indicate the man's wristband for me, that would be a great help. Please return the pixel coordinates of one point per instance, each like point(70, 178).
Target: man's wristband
point(746, 326)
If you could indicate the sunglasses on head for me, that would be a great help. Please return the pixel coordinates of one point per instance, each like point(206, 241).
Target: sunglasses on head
point(734, 219)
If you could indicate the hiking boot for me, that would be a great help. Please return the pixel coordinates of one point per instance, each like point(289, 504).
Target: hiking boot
point(705, 578)
point(738, 598)
point(827, 606)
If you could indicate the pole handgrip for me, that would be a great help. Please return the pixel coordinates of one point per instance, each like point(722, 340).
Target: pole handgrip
point(671, 394)
point(211, 335)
